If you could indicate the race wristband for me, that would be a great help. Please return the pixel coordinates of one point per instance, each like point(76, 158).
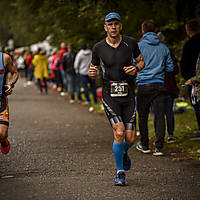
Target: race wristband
point(11, 83)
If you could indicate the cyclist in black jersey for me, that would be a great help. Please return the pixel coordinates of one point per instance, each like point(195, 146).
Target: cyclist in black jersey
point(115, 55)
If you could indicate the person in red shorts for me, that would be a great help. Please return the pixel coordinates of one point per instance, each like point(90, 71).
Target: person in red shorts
point(8, 77)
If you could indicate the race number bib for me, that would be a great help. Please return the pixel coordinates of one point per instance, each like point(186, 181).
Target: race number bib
point(118, 89)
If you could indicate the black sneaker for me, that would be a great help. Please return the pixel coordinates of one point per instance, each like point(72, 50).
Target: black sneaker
point(158, 152)
point(170, 140)
point(141, 148)
point(196, 136)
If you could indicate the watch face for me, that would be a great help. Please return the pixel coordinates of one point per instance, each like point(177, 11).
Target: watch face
point(11, 83)
point(137, 69)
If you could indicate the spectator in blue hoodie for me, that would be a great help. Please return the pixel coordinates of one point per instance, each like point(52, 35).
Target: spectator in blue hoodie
point(150, 83)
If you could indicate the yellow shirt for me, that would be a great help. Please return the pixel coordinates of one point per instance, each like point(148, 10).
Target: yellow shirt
point(40, 64)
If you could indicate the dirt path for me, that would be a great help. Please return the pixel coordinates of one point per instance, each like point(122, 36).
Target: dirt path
point(61, 151)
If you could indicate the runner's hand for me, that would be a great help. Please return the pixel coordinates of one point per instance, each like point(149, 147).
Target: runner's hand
point(8, 90)
point(92, 73)
point(188, 82)
point(130, 70)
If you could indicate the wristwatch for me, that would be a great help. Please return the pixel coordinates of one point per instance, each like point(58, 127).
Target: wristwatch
point(137, 68)
point(11, 83)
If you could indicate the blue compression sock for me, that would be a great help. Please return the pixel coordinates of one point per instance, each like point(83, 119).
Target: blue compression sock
point(126, 145)
point(118, 150)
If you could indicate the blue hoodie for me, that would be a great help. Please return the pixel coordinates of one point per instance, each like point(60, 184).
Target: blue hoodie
point(157, 60)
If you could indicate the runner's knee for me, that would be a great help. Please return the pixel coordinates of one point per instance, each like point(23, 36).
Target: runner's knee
point(130, 137)
point(119, 133)
point(3, 135)
point(130, 140)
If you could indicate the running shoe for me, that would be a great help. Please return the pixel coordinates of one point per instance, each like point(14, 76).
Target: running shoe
point(71, 101)
point(196, 136)
point(158, 152)
point(120, 179)
point(87, 103)
point(5, 146)
point(126, 162)
point(62, 94)
point(141, 148)
point(170, 140)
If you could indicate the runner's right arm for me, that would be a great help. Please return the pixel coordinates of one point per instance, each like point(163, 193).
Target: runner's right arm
point(95, 63)
point(92, 73)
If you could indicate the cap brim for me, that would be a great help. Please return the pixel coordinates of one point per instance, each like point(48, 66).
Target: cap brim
point(112, 19)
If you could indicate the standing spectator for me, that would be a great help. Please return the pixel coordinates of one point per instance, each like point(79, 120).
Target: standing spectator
point(194, 82)
point(172, 92)
point(40, 63)
point(49, 57)
point(21, 64)
point(195, 94)
point(188, 62)
point(68, 65)
point(82, 65)
point(62, 75)
point(150, 83)
point(25, 56)
point(29, 68)
point(54, 70)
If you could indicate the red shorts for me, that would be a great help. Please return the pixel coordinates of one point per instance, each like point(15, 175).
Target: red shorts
point(4, 110)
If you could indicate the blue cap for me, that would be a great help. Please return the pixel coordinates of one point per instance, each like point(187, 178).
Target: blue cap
point(112, 15)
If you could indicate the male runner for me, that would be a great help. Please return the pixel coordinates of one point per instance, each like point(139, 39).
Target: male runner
point(6, 68)
point(115, 55)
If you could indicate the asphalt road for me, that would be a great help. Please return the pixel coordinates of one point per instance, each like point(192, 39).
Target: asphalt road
point(61, 151)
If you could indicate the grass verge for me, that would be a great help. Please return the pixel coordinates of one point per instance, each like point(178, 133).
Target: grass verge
point(185, 127)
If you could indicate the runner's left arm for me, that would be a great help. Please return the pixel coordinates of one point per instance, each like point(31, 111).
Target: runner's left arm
point(140, 63)
point(132, 70)
point(12, 69)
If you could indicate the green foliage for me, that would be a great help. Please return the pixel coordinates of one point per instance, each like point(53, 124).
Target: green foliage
point(7, 14)
point(82, 20)
point(76, 21)
point(185, 127)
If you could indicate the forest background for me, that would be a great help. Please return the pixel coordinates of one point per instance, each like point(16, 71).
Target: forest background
point(75, 21)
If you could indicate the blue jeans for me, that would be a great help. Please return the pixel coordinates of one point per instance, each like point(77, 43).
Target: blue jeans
point(196, 106)
point(64, 80)
point(169, 101)
point(74, 85)
point(85, 79)
point(30, 73)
